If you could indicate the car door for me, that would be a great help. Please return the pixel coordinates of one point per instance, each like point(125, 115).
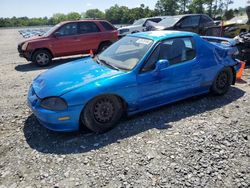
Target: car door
point(90, 36)
point(207, 27)
point(180, 79)
point(189, 23)
point(66, 40)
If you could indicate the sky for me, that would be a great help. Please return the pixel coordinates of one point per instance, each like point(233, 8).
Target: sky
point(35, 8)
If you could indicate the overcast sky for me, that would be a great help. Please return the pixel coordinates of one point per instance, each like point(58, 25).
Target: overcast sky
point(35, 8)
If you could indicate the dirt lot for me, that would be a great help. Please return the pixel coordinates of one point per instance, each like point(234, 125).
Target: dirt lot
point(199, 142)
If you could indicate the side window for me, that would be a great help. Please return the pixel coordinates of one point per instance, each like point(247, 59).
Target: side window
point(156, 20)
point(178, 50)
point(205, 20)
point(68, 29)
point(175, 50)
point(151, 61)
point(88, 27)
point(107, 26)
point(190, 21)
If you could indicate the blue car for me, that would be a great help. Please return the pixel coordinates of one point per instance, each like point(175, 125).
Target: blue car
point(137, 73)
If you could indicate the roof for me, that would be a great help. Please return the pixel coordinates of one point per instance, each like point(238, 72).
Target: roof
point(83, 20)
point(161, 35)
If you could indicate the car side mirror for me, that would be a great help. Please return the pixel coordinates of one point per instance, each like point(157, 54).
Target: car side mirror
point(162, 64)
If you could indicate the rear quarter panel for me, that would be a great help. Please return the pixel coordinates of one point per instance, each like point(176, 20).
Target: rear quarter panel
point(209, 61)
point(107, 35)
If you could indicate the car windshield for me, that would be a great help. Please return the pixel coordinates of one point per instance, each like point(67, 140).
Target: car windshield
point(126, 53)
point(51, 30)
point(169, 21)
point(139, 22)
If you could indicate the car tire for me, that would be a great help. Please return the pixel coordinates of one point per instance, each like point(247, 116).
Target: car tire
point(102, 113)
point(103, 46)
point(223, 81)
point(42, 58)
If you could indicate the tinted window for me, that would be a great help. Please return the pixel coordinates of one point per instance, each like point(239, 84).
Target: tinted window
point(155, 19)
point(68, 29)
point(191, 21)
point(205, 19)
point(107, 26)
point(174, 50)
point(177, 50)
point(88, 27)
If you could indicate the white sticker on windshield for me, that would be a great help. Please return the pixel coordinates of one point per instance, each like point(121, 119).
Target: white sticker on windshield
point(143, 41)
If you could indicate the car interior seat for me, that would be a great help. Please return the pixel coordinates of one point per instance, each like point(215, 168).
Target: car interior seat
point(177, 51)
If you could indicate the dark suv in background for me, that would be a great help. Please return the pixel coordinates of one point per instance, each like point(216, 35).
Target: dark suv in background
point(197, 23)
point(69, 38)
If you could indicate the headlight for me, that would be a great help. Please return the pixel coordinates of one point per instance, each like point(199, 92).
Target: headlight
point(54, 103)
point(121, 31)
point(24, 46)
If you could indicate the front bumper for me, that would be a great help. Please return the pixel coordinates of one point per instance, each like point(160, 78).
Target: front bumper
point(50, 119)
point(24, 54)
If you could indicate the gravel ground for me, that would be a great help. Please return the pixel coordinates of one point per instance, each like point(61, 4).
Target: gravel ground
point(199, 142)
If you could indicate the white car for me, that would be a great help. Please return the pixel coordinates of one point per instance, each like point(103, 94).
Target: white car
point(138, 26)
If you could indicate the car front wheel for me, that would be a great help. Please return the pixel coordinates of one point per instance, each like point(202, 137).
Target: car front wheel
point(102, 113)
point(42, 58)
point(223, 81)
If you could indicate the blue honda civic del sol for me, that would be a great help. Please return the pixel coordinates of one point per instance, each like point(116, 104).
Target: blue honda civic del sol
point(139, 72)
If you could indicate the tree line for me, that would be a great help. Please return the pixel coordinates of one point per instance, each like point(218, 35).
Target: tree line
point(217, 9)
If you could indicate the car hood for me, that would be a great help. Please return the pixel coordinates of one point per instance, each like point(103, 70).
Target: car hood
point(130, 27)
point(34, 39)
point(65, 78)
point(159, 27)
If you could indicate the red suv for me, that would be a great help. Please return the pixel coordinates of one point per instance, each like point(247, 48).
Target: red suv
point(69, 38)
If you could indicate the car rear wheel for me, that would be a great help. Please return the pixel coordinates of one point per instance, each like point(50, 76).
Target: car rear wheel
point(102, 113)
point(42, 58)
point(223, 81)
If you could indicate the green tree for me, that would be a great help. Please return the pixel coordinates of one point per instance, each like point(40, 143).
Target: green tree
point(73, 16)
point(59, 17)
point(183, 6)
point(229, 14)
point(167, 7)
point(117, 14)
point(197, 6)
point(94, 13)
point(140, 12)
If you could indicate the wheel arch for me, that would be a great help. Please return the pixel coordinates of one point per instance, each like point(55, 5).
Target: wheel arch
point(104, 42)
point(37, 49)
point(121, 99)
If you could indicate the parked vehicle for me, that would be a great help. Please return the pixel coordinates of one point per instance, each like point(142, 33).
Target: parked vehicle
point(138, 25)
point(197, 23)
point(68, 38)
point(236, 26)
point(243, 45)
point(31, 32)
point(139, 72)
point(239, 29)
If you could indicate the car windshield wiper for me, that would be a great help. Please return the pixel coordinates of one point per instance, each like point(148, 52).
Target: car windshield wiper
point(101, 61)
